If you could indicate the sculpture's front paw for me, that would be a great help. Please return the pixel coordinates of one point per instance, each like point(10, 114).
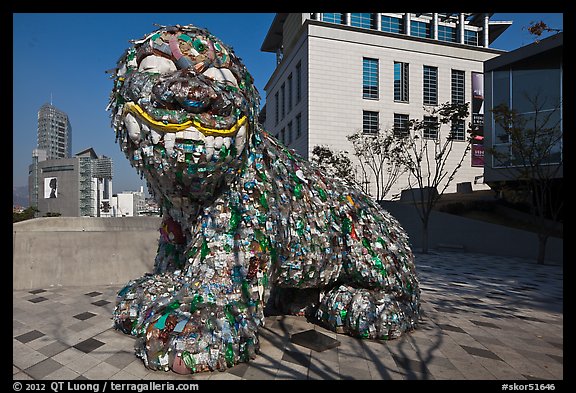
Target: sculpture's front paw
point(195, 334)
point(185, 330)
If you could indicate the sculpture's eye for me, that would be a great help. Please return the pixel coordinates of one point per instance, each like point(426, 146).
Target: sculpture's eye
point(223, 75)
point(156, 64)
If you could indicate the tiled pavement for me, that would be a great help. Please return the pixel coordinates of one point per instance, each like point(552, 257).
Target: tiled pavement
point(485, 317)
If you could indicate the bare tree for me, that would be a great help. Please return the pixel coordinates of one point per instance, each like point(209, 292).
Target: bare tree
point(379, 157)
point(538, 28)
point(533, 160)
point(426, 154)
point(333, 163)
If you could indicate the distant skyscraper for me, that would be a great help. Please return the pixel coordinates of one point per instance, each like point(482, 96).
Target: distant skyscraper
point(54, 132)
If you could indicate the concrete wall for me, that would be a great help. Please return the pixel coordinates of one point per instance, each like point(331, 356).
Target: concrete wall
point(451, 231)
point(82, 250)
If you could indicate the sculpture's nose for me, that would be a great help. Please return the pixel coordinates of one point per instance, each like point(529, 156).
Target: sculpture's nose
point(184, 90)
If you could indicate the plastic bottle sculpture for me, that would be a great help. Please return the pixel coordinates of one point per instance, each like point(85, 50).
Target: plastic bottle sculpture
point(248, 225)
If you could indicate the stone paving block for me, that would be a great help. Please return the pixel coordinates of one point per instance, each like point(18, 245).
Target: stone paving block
point(225, 377)
point(137, 368)
point(103, 371)
point(271, 353)
point(297, 357)
point(43, 368)
point(123, 375)
point(289, 370)
point(324, 370)
point(260, 372)
point(68, 356)
point(386, 370)
point(346, 360)
point(413, 375)
point(500, 369)
point(238, 370)
point(445, 373)
point(63, 374)
point(23, 360)
point(314, 340)
point(350, 372)
point(81, 326)
point(121, 359)
point(21, 376)
point(29, 336)
point(472, 369)
point(330, 355)
point(40, 342)
point(84, 363)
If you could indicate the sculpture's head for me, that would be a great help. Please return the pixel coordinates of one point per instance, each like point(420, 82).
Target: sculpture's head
point(183, 106)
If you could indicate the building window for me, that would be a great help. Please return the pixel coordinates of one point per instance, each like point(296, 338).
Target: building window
point(298, 81)
point(283, 136)
point(430, 127)
point(401, 125)
point(289, 133)
point(391, 24)
point(430, 85)
point(298, 125)
point(333, 17)
point(420, 29)
point(277, 109)
point(471, 37)
point(364, 20)
point(446, 33)
point(370, 78)
point(283, 98)
point(400, 82)
point(457, 130)
point(370, 122)
point(289, 93)
point(457, 87)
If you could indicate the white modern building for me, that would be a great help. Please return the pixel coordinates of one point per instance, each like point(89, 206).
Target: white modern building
point(128, 203)
point(339, 73)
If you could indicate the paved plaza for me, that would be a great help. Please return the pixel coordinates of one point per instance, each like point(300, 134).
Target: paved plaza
point(484, 318)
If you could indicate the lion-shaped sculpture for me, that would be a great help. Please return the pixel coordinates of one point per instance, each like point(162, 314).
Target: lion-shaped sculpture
point(248, 225)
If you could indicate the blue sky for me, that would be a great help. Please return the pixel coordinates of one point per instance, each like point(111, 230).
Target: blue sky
point(64, 56)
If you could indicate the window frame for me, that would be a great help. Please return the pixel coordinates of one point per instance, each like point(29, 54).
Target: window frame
point(401, 131)
point(458, 87)
point(403, 88)
point(283, 98)
point(393, 24)
point(360, 18)
point(426, 132)
point(430, 87)
point(289, 81)
point(461, 124)
point(368, 125)
point(367, 92)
